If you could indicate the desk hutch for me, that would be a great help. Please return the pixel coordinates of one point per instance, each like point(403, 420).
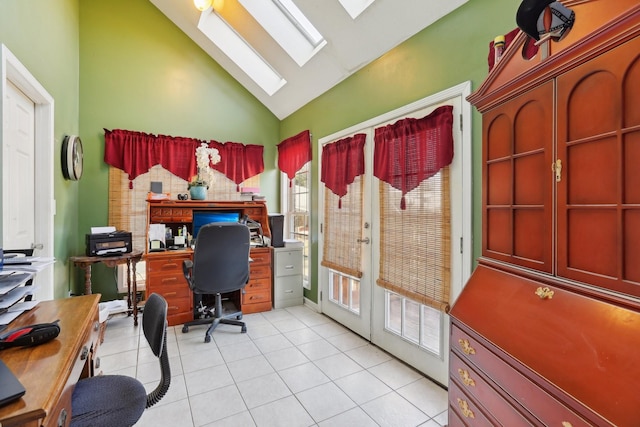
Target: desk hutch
point(547, 330)
point(164, 269)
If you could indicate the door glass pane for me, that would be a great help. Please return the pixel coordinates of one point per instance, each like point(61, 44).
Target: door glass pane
point(335, 288)
point(344, 291)
point(355, 295)
point(431, 327)
point(412, 320)
point(394, 313)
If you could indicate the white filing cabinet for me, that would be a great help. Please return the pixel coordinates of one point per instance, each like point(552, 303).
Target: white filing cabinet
point(287, 277)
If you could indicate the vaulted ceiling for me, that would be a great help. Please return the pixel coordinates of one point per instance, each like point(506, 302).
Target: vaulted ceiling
point(285, 81)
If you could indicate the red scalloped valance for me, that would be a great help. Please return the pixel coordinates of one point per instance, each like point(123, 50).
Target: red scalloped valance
point(239, 162)
point(411, 150)
point(293, 153)
point(136, 153)
point(342, 162)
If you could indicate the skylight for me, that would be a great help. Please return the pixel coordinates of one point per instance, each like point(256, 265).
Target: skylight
point(239, 51)
point(288, 26)
point(355, 7)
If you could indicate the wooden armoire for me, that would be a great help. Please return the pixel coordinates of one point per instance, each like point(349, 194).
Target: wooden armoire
point(547, 330)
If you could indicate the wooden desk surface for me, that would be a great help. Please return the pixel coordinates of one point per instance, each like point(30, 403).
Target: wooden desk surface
point(49, 371)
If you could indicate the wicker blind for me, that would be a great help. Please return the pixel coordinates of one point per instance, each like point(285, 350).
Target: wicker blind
point(128, 207)
point(342, 228)
point(415, 242)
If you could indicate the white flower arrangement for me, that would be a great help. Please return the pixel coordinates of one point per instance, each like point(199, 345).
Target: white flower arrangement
point(205, 156)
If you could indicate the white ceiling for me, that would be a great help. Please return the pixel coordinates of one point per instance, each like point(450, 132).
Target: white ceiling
point(351, 44)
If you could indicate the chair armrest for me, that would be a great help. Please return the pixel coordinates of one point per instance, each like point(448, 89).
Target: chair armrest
point(187, 268)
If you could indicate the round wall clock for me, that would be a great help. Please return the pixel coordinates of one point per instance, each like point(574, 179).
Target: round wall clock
point(72, 157)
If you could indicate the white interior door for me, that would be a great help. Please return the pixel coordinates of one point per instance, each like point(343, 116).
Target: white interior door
point(27, 143)
point(18, 171)
point(414, 333)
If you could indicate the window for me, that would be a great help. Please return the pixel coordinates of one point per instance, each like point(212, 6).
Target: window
point(296, 204)
point(414, 322)
point(344, 290)
point(239, 51)
point(288, 26)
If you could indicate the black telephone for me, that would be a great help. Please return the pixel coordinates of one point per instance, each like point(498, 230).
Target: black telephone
point(29, 336)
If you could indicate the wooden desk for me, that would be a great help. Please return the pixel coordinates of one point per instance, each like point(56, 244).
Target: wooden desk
point(49, 371)
point(131, 259)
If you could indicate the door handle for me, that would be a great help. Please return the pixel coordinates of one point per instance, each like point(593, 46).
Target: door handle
point(37, 246)
point(365, 240)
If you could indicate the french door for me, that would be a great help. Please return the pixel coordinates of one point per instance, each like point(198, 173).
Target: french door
point(414, 333)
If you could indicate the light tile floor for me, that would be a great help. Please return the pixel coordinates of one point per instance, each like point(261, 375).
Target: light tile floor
point(293, 367)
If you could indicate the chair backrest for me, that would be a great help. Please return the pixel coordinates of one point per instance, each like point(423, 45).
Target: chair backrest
point(154, 326)
point(221, 258)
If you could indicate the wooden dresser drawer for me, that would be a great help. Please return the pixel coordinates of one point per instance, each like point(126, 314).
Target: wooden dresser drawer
point(170, 214)
point(259, 272)
point(256, 297)
point(164, 265)
point(257, 286)
point(466, 410)
point(260, 256)
point(170, 279)
point(545, 407)
point(479, 389)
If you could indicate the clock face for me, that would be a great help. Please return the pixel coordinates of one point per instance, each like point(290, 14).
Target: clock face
point(72, 157)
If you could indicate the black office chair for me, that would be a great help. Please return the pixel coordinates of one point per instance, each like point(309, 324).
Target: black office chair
point(220, 265)
point(119, 400)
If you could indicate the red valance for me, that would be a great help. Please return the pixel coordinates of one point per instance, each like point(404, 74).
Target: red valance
point(293, 153)
point(412, 150)
point(240, 162)
point(342, 162)
point(136, 153)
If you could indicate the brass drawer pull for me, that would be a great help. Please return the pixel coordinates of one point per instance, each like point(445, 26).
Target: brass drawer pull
point(544, 293)
point(466, 346)
point(466, 379)
point(169, 279)
point(566, 424)
point(464, 407)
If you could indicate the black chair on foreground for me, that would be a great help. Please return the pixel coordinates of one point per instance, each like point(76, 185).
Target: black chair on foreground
point(118, 400)
point(220, 265)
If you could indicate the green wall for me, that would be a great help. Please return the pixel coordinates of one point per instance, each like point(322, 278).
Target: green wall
point(138, 71)
point(449, 52)
point(123, 64)
point(43, 35)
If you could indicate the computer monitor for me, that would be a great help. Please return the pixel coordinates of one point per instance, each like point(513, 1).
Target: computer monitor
point(201, 218)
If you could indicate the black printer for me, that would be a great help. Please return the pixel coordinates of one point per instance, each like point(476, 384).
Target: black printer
point(108, 244)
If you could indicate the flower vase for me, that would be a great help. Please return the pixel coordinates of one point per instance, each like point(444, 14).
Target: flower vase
point(198, 192)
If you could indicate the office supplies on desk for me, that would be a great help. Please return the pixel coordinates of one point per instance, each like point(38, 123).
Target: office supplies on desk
point(12, 389)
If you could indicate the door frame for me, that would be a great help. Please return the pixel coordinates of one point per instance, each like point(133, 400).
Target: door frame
point(12, 70)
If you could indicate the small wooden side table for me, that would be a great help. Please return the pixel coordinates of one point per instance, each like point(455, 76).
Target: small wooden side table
point(131, 259)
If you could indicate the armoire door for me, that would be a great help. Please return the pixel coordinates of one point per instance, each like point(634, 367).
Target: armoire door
point(518, 181)
point(599, 193)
